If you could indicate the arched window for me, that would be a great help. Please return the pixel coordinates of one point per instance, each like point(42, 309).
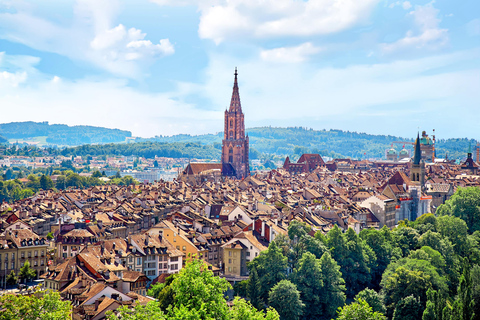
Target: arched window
point(231, 123)
point(230, 155)
point(231, 134)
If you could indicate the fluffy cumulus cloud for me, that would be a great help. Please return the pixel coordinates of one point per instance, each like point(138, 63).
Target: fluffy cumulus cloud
point(119, 45)
point(275, 18)
point(426, 33)
point(290, 54)
point(90, 35)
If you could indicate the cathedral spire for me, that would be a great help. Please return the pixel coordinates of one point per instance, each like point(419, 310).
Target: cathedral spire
point(418, 154)
point(235, 105)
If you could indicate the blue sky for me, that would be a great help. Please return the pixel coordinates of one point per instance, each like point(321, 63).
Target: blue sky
point(165, 67)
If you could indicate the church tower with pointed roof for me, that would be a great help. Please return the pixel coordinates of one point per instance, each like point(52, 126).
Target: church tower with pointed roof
point(235, 144)
point(417, 170)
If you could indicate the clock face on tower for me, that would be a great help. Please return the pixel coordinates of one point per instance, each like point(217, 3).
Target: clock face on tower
point(235, 144)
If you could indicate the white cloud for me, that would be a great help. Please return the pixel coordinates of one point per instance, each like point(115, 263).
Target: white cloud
point(118, 46)
point(90, 36)
point(274, 18)
point(406, 5)
point(290, 54)
point(426, 32)
point(9, 79)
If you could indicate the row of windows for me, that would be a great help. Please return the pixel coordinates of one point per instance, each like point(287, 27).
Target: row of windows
point(29, 254)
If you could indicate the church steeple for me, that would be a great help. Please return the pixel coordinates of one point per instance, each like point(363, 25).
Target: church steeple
point(235, 145)
point(418, 154)
point(235, 105)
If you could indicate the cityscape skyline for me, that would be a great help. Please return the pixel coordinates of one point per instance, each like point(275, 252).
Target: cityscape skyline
point(165, 67)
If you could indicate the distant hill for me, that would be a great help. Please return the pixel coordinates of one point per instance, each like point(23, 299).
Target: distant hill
point(264, 142)
point(294, 141)
point(298, 140)
point(62, 134)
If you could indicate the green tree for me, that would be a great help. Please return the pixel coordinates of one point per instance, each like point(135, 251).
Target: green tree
point(96, 174)
point(61, 183)
point(46, 183)
point(406, 239)
point(380, 242)
point(464, 204)
point(435, 241)
point(355, 265)
point(426, 222)
point(196, 288)
point(26, 273)
point(465, 293)
point(333, 295)
point(11, 278)
point(240, 288)
point(308, 279)
point(336, 244)
point(139, 312)
point(39, 306)
point(33, 182)
point(407, 277)
point(163, 292)
point(455, 230)
point(372, 298)
point(359, 310)
point(243, 310)
point(409, 308)
point(436, 302)
point(285, 298)
point(254, 290)
point(128, 180)
point(271, 266)
point(50, 236)
point(430, 255)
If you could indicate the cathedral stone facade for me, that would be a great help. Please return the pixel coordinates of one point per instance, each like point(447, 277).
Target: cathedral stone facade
point(235, 143)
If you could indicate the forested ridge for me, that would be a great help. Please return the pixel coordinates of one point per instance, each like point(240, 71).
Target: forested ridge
point(333, 143)
point(62, 134)
point(265, 142)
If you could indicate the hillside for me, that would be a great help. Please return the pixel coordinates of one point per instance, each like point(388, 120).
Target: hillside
point(61, 134)
point(265, 142)
point(294, 141)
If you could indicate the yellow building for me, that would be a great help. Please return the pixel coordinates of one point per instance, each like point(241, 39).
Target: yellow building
point(18, 247)
point(234, 257)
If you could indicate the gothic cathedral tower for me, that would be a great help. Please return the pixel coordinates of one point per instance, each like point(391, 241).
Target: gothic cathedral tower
point(235, 144)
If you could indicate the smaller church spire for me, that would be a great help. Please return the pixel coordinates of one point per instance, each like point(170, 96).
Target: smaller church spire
point(417, 156)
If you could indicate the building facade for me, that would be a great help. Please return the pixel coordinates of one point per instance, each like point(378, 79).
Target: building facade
point(235, 144)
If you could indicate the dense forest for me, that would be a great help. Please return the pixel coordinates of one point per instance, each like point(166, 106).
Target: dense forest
point(294, 141)
point(145, 149)
point(62, 134)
